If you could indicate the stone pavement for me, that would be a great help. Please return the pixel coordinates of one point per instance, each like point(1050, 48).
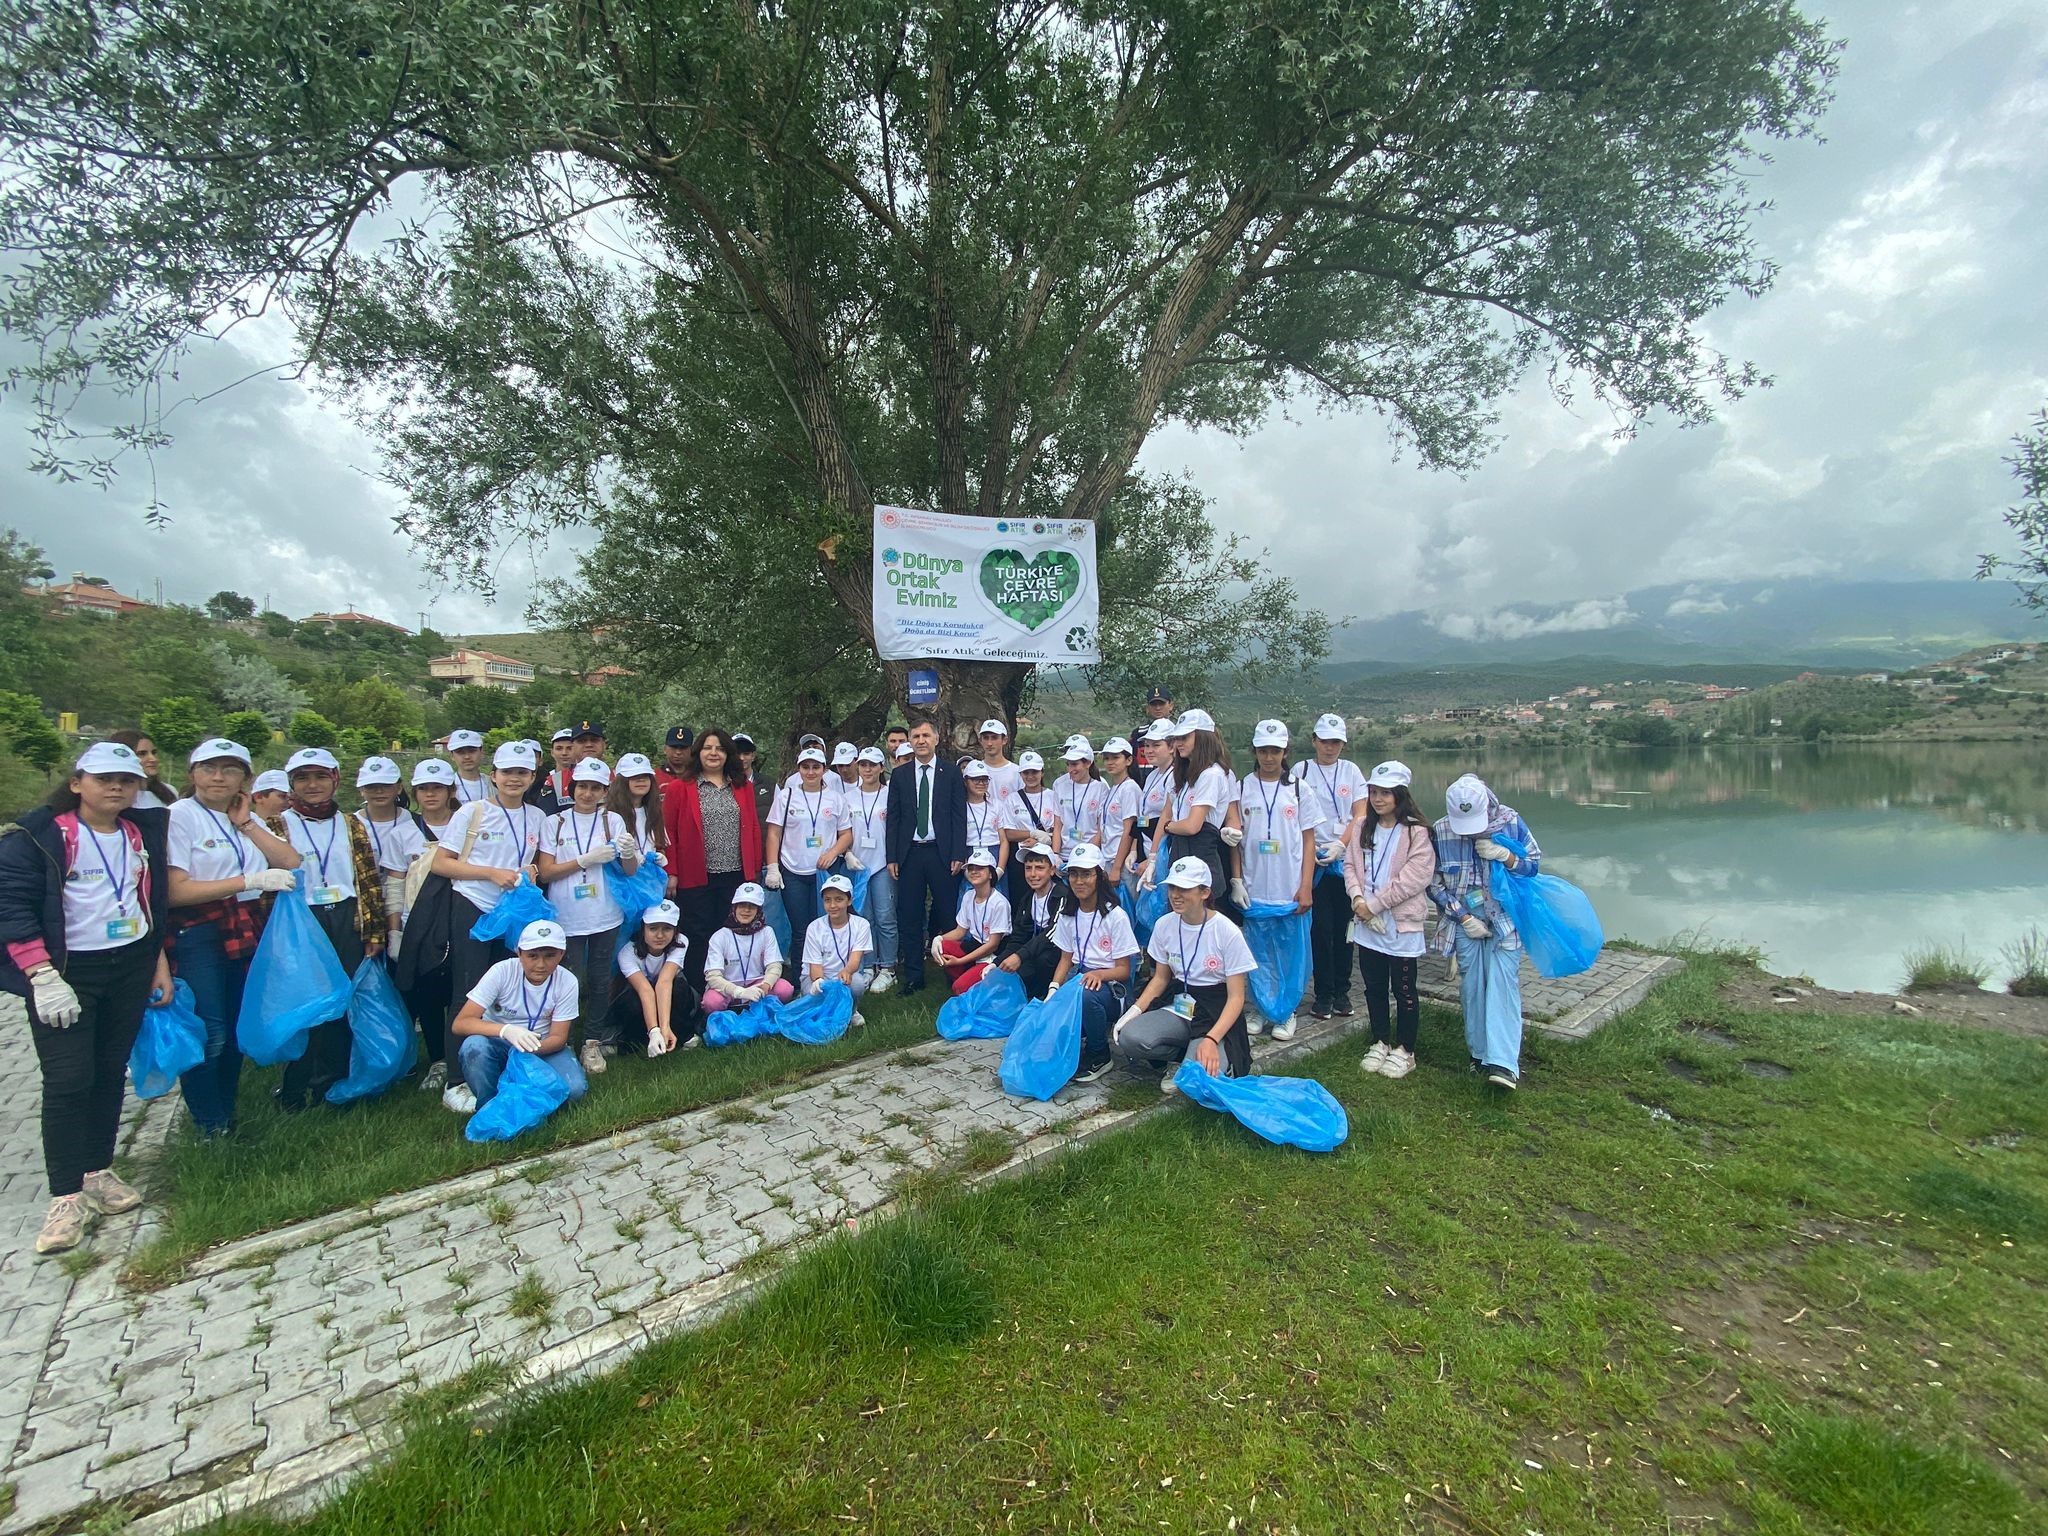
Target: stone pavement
point(276, 1364)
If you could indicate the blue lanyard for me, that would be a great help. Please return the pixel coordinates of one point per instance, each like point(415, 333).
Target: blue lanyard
point(977, 826)
point(1330, 789)
point(313, 843)
point(833, 934)
point(120, 884)
point(977, 918)
point(1383, 853)
point(534, 1015)
point(747, 960)
point(1081, 939)
point(462, 790)
point(812, 811)
point(376, 842)
point(518, 832)
point(583, 843)
point(1270, 801)
point(1075, 801)
point(1180, 940)
point(867, 812)
point(228, 835)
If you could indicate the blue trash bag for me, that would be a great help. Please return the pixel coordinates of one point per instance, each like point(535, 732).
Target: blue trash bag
point(1289, 1111)
point(776, 915)
point(860, 878)
point(1278, 936)
point(732, 1026)
point(383, 1048)
point(813, 1019)
point(295, 981)
point(1044, 1049)
point(985, 1011)
point(1560, 930)
point(1147, 907)
point(528, 1092)
point(171, 1043)
point(635, 893)
point(524, 903)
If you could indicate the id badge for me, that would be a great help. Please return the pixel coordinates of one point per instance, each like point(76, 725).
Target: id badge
point(1184, 1005)
point(325, 896)
point(584, 892)
point(1268, 845)
point(814, 842)
point(124, 928)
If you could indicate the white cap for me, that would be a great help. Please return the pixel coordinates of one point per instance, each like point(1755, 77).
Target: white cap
point(993, 728)
point(431, 770)
point(1038, 851)
point(377, 770)
point(543, 935)
point(903, 749)
point(514, 754)
point(310, 757)
point(1189, 874)
point(109, 757)
point(1117, 744)
point(975, 771)
point(1159, 730)
point(1028, 761)
point(1466, 803)
point(633, 765)
point(844, 753)
point(1270, 733)
point(836, 883)
point(740, 736)
point(1191, 721)
point(220, 746)
point(982, 857)
point(1330, 728)
point(564, 734)
point(663, 912)
point(1080, 752)
point(874, 754)
point(1084, 856)
point(750, 893)
point(1079, 737)
point(811, 755)
point(460, 739)
point(273, 781)
point(592, 770)
point(1390, 775)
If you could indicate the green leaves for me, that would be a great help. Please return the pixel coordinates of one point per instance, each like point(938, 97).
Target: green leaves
point(1031, 589)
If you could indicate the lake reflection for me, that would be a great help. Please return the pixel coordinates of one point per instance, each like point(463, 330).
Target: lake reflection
point(1835, 860)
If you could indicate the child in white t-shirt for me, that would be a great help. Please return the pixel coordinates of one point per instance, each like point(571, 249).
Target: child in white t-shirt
point(742, 961)
point(526, 1003)
point(837, 944)
point(967, 947)
point(656, 1004)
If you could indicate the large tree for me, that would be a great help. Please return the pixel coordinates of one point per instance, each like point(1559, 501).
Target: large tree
point(2027, 517)
point(716, 278)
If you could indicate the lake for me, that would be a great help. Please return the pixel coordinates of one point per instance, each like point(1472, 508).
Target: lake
point(1833, 859)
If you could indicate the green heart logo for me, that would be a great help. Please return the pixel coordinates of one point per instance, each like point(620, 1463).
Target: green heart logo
point(1030, 590)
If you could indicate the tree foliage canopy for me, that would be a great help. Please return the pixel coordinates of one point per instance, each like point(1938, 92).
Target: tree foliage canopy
point(714, 279)
point(2027, 517)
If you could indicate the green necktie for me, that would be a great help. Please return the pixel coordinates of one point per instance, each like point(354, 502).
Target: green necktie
point(924, 801)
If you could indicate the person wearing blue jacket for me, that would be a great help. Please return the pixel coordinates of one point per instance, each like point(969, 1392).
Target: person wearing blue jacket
point(1475, 929)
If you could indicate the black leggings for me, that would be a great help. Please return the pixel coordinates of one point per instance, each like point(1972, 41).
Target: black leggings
point(1380, 972)
point(85, 1066)
point(325, 1061)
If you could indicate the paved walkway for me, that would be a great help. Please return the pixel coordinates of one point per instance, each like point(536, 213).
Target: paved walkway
point(276, 1364)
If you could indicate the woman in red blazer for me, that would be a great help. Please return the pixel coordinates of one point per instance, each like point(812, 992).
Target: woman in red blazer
point(713, 821)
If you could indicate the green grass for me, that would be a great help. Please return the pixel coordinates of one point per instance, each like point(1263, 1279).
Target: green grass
point(2026, 959)
point(282, 1168)
point(1940, 965)
point(1800, 1305)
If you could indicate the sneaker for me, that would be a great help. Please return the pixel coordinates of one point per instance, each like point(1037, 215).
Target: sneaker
point(693, 1042)
point(1319, 1010)
point(1254, 1024)
point(64, 1227)
point(435, 1077)
point(1399, 1063)
point(1095, 1072)
point(591, 1058)
point(110, 1195)
point(1284, 1030)
point(1501, 1077)
point(460, 1098)
point(1167, 1085)
point(884, 980)
point(1478, 1066)
point(856, 1022)
point(1376, 1057)
point(1340, 1009)
point(609, 1051)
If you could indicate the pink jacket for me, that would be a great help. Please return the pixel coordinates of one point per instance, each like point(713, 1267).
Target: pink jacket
point(1414, 867)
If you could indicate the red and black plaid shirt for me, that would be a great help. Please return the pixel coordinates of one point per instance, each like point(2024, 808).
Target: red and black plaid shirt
point(240, 923)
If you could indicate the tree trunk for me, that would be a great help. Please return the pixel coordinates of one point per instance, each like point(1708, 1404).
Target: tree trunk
point(969, 693)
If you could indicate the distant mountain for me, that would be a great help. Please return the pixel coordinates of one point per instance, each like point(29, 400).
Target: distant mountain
point(1811, 622)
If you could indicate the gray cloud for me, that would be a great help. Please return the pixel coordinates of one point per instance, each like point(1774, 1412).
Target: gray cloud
point(1903, 336)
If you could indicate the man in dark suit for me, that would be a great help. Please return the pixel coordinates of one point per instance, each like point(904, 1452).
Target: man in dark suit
point(927, 844)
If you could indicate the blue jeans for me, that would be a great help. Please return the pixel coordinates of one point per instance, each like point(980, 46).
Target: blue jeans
point(216, 981)
point(800, 901)
point(881, 916)
point(1490, 987)
point(1099, 1010)
point(483, 1063)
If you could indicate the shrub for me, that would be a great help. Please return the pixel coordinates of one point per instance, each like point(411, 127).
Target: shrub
point(362, 741)
point(1937, 965)
point(176, 724)
point(251, 727)
point(311, 729)
point(2027, 958)
point(25, 733)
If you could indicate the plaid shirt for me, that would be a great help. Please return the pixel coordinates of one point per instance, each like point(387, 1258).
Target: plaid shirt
point(1462, 882)
point(240, 922)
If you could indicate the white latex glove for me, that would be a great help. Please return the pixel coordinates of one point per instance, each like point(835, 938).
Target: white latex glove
point(772, 877)
point(1328, 853)
point(1116, 1030)
point(1240, 892)
point(1376, 921)
point(658, 857)
point(750, 994)
point(657, 1045)
point(56, 1004)
point(624, 844)
point(1232, 836)
point(1491, 851)
point(1150, 878)
point(939, 950)
point(519, 1037)
point(271, 880)
point(603, 853)
point(852, 862)
point(1474, 929)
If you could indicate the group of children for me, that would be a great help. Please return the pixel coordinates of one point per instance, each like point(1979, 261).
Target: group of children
point(90, 932)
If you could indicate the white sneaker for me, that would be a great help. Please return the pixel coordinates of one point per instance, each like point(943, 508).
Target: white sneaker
point(884, 980)
point(109, 1194)
point(856, 1021)
point(1284, 1030)
point(460, 1099)
point(1167, 1085)
point(1254, 1023)
point(1399, 1063)
point(64, 1226)
point(1376, 1057)
point(693, 1042)
point(591, 1058)
point(436, 1077)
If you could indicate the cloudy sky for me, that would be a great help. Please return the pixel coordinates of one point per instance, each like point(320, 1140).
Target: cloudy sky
point(1903, 333)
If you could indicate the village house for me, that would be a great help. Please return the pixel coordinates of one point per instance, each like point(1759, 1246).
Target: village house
point(484, 668)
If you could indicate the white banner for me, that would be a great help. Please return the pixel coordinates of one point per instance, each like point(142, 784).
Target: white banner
point(984, 588)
